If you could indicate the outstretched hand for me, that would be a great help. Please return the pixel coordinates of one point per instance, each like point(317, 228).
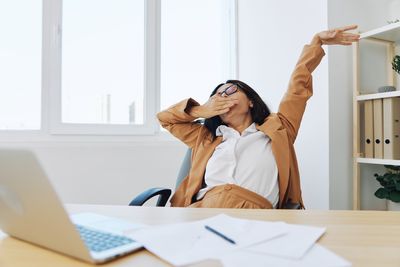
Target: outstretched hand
point(337, 36)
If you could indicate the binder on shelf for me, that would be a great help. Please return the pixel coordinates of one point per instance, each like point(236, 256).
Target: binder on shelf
point(391, 128)
point(369, 129)
point(378, 128)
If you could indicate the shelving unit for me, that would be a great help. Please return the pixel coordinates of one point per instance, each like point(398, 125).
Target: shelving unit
point(378, 161)
point(388, 36)
point(377, 95)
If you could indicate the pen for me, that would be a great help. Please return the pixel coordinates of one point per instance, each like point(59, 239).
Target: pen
point(212, 230)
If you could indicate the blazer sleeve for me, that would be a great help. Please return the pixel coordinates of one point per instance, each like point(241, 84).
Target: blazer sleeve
point(179, 123)
point(293, 104)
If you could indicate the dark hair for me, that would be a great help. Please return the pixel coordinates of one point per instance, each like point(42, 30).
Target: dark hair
point(258, 112)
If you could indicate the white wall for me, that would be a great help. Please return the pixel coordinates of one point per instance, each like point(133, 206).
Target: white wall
point(107, 173)
point(271, 36)
point(368, 14)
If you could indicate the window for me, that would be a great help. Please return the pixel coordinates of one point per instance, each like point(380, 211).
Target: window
point(102, 61)
point(105, 67)
point(197, 48)
point(20, 64)
point(104, 75)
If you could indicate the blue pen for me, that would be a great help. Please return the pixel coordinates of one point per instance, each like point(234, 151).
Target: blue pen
point(212, 230)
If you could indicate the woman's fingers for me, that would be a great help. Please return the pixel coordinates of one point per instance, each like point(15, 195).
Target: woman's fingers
point(346, 39)
point(343, 38)
point(223, 100)
point(345, 43)
point(347, 28)
point(222, 111)
point(350, 36)
point(225, 97)
point(218, 104)
point(333, 33)
point(226, 105)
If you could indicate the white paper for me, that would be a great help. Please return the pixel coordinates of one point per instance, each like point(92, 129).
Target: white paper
point(246, 232)
point(317, 256)
point(186, 243)
point(294, 244)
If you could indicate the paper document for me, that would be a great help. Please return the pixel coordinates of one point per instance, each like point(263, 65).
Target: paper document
point(238, 242)
point(317, 256)
point(186, 243)
point(295, 244)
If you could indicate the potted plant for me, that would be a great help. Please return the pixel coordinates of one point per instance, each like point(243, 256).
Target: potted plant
point(396, 64)
point(390, 190)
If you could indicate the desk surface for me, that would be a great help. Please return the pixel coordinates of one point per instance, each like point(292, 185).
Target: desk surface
point(365, 238)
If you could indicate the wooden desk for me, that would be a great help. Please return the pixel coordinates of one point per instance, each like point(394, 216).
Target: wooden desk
point(365, 238)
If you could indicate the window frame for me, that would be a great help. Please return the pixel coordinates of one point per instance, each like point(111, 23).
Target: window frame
point(52, 127)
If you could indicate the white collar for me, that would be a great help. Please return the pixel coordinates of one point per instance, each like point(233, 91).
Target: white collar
point(227, 131)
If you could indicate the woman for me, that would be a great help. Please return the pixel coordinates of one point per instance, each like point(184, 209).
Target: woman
point(243, 156)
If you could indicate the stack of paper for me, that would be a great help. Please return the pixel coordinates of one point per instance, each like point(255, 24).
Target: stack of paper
point(238, 242)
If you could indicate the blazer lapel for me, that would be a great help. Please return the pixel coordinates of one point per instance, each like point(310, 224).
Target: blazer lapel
point(199, 162)
point(280, 148)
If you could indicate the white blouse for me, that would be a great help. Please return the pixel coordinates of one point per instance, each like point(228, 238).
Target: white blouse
point(245, 160)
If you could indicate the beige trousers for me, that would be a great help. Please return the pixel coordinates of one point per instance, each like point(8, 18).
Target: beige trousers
point(232, 196)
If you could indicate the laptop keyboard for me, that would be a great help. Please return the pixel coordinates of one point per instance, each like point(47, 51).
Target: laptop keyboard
point(99, 241)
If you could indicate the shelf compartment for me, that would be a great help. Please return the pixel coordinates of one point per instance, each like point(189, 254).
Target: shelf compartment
point(379, 161)
point(390, 32)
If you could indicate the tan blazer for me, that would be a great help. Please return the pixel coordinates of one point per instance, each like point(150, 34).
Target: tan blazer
point(281, 128)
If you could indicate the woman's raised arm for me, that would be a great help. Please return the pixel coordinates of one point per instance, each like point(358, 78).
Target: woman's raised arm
point(300, 89)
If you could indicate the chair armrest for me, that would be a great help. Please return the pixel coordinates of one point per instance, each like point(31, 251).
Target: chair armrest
point(163, 193)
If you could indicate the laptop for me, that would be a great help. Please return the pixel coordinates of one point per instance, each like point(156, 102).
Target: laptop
point(30, 210)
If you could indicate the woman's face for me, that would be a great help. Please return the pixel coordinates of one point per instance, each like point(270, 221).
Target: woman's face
point(238, 111)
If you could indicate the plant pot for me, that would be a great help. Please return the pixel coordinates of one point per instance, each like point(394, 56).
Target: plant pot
point(393, 206)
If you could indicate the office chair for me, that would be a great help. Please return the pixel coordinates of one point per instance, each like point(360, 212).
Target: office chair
point(165, 193)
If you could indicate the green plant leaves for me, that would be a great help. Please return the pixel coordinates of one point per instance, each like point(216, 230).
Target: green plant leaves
point(395, 196)
point(396, 64)
point(382, 193)
point(380, 179)
point(392, 167)
point(390, 182)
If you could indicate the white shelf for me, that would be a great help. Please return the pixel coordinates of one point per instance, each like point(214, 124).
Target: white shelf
point(379, 161)
point(377, 95)
point(390, 32)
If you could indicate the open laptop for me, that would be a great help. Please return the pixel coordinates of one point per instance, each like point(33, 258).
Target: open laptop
point(30, 210)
